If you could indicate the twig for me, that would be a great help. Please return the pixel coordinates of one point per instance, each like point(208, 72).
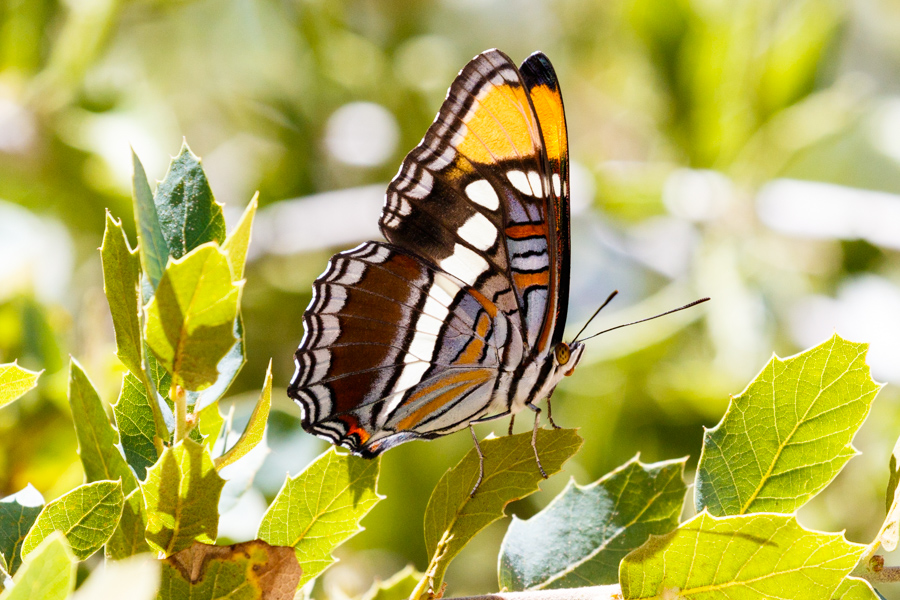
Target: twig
point(599, 592)
point(885, 575)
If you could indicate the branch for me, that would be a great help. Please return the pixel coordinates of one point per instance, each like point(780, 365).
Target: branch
point(884, 575)
point(599, 592)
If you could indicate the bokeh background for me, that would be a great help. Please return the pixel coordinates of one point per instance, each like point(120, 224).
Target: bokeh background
point(746, 150)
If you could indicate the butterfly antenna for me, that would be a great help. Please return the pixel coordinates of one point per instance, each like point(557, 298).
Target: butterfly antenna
point(668, 312)
point(596, 312)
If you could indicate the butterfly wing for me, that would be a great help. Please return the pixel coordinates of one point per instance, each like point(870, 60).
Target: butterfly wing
point(418, 337)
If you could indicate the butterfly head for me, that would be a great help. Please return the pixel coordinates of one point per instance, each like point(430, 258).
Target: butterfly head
point(566, 357)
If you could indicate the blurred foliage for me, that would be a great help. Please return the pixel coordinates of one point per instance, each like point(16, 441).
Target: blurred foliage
point(681, 115)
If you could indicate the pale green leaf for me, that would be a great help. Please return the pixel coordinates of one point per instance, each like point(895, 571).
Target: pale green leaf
point(890, 529)
point(320, 508)
point(190, 320)
point(788, 434)
point(15, 381)
point(209, 425)
point(15, 521)
point(121, 283)
point(87, 516)
point(741, 558)
point(97, 438)
point(188, 215)
point(249, 570)
point(452, 517)
point(238, 241)
point(853, 588)
point(582, 535)
point(152, 244)
point(256, 427)
point(139, 575)
point(181, 495)
point(128, 538)
point(134, 419)
point(398, 587)
point(48, 573)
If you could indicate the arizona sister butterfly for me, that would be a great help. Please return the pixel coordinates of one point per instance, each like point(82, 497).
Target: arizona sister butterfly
point(459, 317)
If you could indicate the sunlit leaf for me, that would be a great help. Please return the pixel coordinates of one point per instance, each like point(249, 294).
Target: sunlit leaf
point(209, 425)
point(398, 587)
point(788, 434)
point(87, 516)
point(152, 244)
point(134, 419)
point(580, 538)
point(452, 517)
point(15, 381)
point(121, 281)
point(190, 320)
point(227, 369)
point(320, 508)
point(853, 588)
point(256, 427)
point(181, 495)
point(128, 538)
point(238, 241)
point(48, 573)
point(188, 214)
point(15, 521)
point(97, 439)
point(249, 570)
point(747, 556)
point(138, 575)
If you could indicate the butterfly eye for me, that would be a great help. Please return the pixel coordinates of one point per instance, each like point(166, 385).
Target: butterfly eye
point(562, 353)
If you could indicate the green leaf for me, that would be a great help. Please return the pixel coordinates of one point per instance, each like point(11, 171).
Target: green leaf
point(181, 494)
point(238, 241)
point(749, 556)
point(188, 215)
point(788, 434)
point(15, 522)
point(256, 427)
point(154, 251)
point(581, 537)
point(87, 516)
point(97, 439)
point(893, 477)
point(138, 575)
point(209, 425)
point(121, 281)
point(15, 381)
point(48, 573)
point(227, 369)
point(190, 320)
point(320, 508)
point(452, 518)
point(249, 570)
point(128, 537)
point(853, 588)
point(398, 587)
point(134, 419)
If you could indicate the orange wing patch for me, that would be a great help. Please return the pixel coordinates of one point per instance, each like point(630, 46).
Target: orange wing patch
point(500, 126)
point(549, 107)
point(456, 384)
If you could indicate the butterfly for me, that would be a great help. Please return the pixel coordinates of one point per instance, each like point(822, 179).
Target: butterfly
point(458, 318)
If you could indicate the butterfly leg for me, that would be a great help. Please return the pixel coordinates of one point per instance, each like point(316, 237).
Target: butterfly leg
point(550, 415)
point(512, 420)
point(537, 417)
point(480, 462)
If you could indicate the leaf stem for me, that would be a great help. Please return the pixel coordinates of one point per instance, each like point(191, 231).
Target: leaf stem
point(176, 393)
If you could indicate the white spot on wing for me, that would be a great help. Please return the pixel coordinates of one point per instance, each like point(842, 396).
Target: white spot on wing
point(478, 231)
point(464, 264)
point(535, 180)
point(557, 188)
point(482, 192)
point(519, 181)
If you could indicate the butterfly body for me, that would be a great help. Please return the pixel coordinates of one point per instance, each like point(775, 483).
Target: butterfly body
point(459, 316)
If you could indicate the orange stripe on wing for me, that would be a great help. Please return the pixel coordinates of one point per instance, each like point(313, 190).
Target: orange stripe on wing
point(519, 232)
point(458, 384)
point(524, 281)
